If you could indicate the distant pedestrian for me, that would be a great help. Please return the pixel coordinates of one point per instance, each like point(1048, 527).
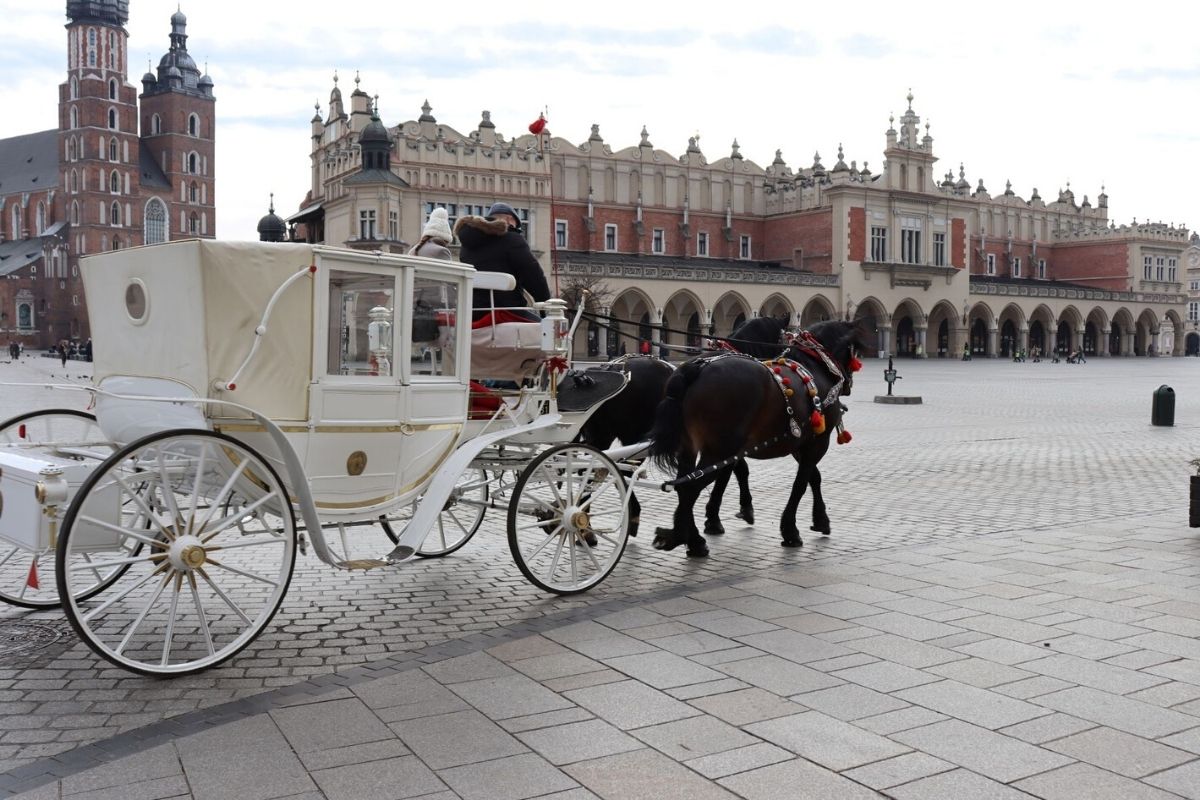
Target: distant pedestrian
point(966, 351)
point(62, 351)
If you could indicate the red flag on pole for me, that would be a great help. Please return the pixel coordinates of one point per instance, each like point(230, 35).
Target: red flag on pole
point(538, 125)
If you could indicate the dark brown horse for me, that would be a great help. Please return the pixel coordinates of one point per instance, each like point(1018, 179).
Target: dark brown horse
point(719, 409)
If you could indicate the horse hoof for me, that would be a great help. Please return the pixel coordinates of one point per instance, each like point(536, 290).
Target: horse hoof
point(746, 513)
point(665, 539)
point(823, 530)
point(713, 527)
point(698, 551)
point(792, 541)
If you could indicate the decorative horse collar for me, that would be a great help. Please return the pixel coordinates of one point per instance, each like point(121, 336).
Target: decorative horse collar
point(804, 342)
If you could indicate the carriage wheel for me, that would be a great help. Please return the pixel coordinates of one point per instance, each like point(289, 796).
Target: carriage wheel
point(212, 573)
point(460, 518)
point(568, 521)
point(27, 576)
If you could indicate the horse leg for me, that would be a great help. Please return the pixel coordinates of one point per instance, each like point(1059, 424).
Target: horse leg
point(741, 471)
point(685, 530)
point(635, 514)
point(712, 509)
point(820, 522)
point(787, 520)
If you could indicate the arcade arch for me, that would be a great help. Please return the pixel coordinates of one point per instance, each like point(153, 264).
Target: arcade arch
point(631, 321)
point(683, 313)
point(817, 309)
point(729, 312)
point(778, 306)
point(908, 322)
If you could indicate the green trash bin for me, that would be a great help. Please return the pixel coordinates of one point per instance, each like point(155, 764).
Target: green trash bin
point(1162, 410)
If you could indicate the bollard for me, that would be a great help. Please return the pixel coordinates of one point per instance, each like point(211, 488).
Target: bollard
point(1162, 408)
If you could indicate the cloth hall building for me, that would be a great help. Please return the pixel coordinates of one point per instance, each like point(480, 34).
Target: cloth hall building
point(121, 169)
point(684, 246)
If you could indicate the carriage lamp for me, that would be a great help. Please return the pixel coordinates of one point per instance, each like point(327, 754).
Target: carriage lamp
point(890, 375)
point(379, 340)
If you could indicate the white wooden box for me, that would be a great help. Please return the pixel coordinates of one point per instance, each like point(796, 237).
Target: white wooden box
point(24, 520)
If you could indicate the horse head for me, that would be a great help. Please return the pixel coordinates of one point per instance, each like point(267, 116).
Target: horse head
point(844, 341)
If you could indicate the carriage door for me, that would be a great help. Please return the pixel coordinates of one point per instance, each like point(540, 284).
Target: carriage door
point(352, 453)
point(435, 403)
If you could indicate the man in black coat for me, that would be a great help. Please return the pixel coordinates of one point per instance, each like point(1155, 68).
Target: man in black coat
point(495, 244)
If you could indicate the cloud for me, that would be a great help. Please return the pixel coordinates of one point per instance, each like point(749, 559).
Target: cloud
point(1141, 74)
point(860, 45)
point(772, 41)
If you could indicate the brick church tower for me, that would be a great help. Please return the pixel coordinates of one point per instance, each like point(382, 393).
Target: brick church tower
point(178, 120)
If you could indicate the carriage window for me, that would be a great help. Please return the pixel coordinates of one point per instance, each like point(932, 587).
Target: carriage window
point(434, 332)
point(361, 314)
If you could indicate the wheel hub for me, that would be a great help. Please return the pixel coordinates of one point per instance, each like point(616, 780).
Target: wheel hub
point(576, 519)
point(187, 553)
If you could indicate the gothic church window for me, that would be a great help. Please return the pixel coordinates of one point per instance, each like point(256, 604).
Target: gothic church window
point(193, 125)
point(192, 192)
point(112, 119)
point(75, 213)
point(112, 89)
point(156, 124)
point(156, 221)
point(114, 215)
point(74, 117)
point(112, 149)
point(41, 218)
point(114, 182)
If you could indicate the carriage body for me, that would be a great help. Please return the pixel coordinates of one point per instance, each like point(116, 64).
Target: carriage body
point(360, 364)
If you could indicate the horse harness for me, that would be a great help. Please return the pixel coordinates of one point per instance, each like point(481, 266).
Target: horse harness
point(786, 373)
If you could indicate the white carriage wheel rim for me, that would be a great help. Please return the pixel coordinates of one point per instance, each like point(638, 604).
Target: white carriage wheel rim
point(13, 555)
point(570, 495)
point(185, 589)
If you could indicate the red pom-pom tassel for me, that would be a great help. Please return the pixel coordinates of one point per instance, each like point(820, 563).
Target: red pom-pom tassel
point(844, 437)
point(817, 420)
point(855, 364)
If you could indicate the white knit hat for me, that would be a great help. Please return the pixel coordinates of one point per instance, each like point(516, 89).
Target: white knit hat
point(438, 226)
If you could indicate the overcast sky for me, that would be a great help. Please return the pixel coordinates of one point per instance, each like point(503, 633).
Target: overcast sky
point(1024, 91)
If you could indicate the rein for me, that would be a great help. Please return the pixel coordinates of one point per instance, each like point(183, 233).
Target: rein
point(596, 320)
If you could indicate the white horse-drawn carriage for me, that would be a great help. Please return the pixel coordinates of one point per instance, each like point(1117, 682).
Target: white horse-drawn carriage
point(252, 400)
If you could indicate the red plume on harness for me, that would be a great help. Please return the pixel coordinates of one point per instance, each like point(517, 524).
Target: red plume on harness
point(817, 419)
point(855, 364)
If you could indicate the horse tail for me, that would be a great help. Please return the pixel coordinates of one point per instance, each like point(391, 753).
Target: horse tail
point(667, 433)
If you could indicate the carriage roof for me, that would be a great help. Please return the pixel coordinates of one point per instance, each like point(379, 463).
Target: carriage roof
point(187, 311)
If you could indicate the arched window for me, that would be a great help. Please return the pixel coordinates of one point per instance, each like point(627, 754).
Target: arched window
point(193, 224)
point(192, 193)
point(114, 214)
point(75, 213)
point(41, 217)
point(112, 119)
point(116, 243)
point(192, 163)
point(74, 181)
point(74, 117)
point(25, 315)
point(112, 89)
point(15, 232)
point(156, 221)
point(193, 125)
point(71, 148)
point(74, 87)
point(114, 182)
point(112, 149)
point(156, 124)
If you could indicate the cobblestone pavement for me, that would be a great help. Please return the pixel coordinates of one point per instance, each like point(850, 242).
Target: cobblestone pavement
point(1007, 608)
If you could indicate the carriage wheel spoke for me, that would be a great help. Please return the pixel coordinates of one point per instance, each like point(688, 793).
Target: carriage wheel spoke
point(191, 524)
point(539, 524)
point(457, 522)
point(140, 503)
point(588, 503)
point(233, 519)
point(164, 483)
point(242, 572)
point(208, 640)
point(166, 653)
point(571, 549)
point(146, 610)
point(441, 531)
point(216, 502)
point(90, 565)
point(132, 534)
point(10, 554)
point(232, 605)
point(587, 549)
point(107, 603)
point(94, 566)
point(554, 561)
point(249, 543)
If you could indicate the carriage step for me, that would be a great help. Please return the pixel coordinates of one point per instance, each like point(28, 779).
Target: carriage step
point(363, 563)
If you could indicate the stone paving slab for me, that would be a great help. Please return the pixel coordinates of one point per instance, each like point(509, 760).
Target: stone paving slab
point(1036, 639)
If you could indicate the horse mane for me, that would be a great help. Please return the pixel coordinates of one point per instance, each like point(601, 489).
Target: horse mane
point(759, 337)
point(842, 339)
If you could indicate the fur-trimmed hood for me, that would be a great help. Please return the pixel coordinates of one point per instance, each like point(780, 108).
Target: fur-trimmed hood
point(494, 227)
